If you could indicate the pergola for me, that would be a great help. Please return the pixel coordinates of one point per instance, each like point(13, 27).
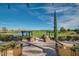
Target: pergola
point(26, 33)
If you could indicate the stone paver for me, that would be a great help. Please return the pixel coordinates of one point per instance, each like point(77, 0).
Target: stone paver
point(46, 50)
point(32, 51)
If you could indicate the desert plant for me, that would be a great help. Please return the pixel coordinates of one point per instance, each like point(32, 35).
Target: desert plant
point(61, 38)
point(75, 38)
point(74, 47)
point(8, 45)
point(68, 38)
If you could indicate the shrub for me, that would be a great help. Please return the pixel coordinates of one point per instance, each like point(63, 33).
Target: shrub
point(9, 38)
point(5, 38)
point(68, 38)
point(18, 38)
point(74, 47)
point(8, 45)
point(62, 29)
point(62, 38)
point(75, 38)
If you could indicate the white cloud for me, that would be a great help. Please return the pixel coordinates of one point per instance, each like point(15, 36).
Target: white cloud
point(73, 22)
point(70, 19)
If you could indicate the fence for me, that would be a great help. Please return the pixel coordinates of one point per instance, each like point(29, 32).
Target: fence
point(65, 50)
point(17, 51)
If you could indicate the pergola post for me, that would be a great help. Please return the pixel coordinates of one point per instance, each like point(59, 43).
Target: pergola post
point(22, 33)
point(29, 34)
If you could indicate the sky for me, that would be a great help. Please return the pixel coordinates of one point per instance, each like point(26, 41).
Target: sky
point(39, 16)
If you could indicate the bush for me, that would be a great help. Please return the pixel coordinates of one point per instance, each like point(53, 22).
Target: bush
point(62, 29)
point(62, 38)
point(5, 38)
point(8, 45)
point(9, 38)
point(18, 38)
point(68, 38)
point(74, 47)
point(75, 38)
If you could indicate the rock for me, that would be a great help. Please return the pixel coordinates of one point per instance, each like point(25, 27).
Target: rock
point(47, 39)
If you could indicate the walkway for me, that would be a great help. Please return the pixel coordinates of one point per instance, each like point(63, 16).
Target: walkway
point(39, 49)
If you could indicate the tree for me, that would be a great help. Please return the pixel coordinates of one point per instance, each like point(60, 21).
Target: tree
point(76, 30)
point(62, 29)
point(68, 29)
point(4, 29)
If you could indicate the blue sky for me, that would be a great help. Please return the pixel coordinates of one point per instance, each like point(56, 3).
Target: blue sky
point(39, 16)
